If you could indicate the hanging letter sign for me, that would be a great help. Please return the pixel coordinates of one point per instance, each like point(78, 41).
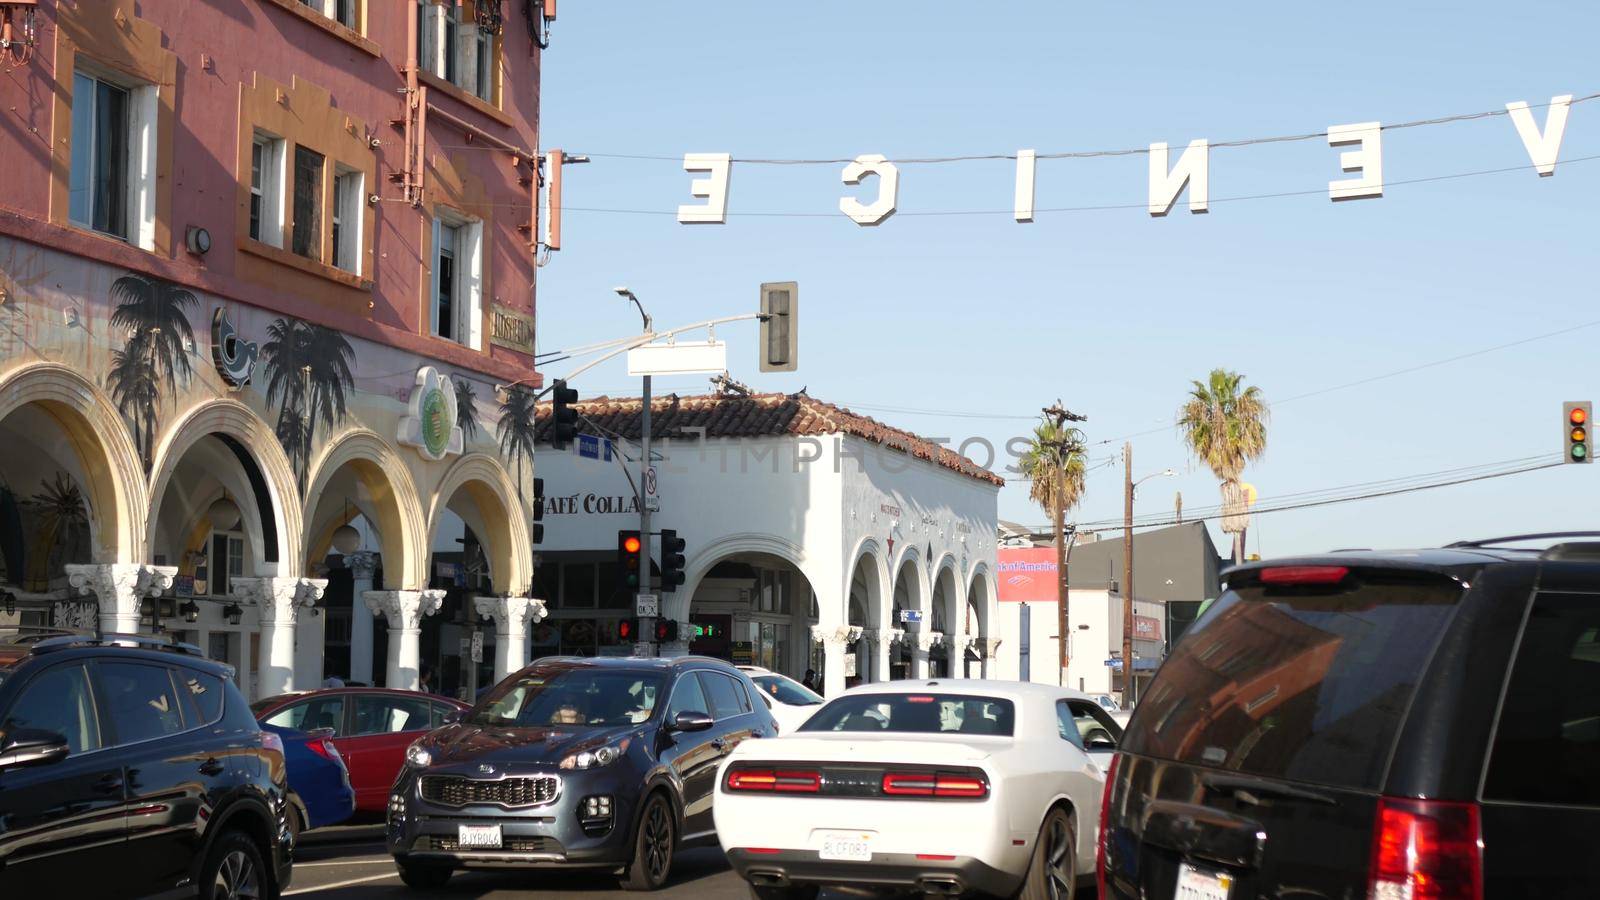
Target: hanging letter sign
point(430, 421)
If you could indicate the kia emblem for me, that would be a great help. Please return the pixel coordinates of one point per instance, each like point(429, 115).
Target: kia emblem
point(486, 769)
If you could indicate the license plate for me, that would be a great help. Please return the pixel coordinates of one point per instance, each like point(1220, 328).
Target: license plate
point(478, 837)
point(848, 846)
point(1194, 884)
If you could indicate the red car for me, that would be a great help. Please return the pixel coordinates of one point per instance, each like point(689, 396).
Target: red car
point(372, 727)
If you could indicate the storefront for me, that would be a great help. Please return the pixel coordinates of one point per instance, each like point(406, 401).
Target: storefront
point(816, 538)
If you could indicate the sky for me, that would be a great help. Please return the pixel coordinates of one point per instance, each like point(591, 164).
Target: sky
point(964, 326)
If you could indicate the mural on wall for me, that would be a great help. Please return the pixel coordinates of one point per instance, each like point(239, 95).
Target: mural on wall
point(516, 429)
point(310, 373)
point(155, 315)
point(21, 268)
point(42, 533)
point(466, 408)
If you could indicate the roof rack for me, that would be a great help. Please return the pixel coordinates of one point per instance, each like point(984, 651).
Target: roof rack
point(27, 634)
point(1509, 539)
point(144, 641)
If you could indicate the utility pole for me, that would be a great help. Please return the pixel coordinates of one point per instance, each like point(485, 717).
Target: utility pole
point(1127, 575)
point(1061, 416)
point(647, 624)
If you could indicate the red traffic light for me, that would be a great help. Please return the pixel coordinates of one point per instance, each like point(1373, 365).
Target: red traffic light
point(1578, 416)
point(630, 544)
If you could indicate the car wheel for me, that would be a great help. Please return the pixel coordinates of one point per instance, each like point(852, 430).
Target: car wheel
point(234, 871)
point(652, 847)
point(793, 892)
point(296, 825)
point(423, 877)
point(1053, 868)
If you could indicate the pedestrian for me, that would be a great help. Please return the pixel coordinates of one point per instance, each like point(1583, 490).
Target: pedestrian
point(425, 680)
point(810, 681)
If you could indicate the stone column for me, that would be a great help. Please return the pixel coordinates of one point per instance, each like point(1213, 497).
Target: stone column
point(879, 642)
point(404, 611)
point(310, 647)
point(120, 588)
point(926, 641)
point(512, 616)
point(361, 566)
point(988, 647)
point(833, 639)
point(278, 603)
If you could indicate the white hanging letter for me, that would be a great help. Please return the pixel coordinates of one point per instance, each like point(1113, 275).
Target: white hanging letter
point(1542, 148)
point(713, 189)
point(888, 189)
point(1368, 160)
point(1193, 169)
point(1024, 202)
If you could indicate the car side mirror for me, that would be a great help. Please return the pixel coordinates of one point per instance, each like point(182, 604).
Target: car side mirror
point(691, 721)
point(453, 716)
point(32, 747)
point(1102, 744)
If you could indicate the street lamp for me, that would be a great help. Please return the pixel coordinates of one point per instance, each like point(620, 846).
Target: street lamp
point(647, 625)
point(1128, 696)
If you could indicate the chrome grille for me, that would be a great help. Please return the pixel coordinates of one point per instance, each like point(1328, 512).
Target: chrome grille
point(511, 845)
point(456, 790)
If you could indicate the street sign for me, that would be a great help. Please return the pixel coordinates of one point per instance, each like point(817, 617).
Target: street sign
point(679, 358)
point(911, 615)
point(650, 483)
point(649, 605)
point(477, 646)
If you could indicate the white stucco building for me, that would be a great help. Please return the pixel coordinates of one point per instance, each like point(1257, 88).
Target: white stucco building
point(816, 538)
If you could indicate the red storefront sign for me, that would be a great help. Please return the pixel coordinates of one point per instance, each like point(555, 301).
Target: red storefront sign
point(1027, 575)
point(1147, 628)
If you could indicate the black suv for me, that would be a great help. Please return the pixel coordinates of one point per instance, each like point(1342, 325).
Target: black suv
point(1419, 724)
point(134, 767)
point(598, 763)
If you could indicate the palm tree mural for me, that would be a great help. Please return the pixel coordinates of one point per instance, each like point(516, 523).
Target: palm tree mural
point(466, 408)
point(63, 517)
point(155, 313)
point(516, 428)
point(1225, 427)
point(310, 369)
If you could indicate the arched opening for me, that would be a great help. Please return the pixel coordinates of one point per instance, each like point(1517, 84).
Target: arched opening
point(907, 598)
point(943, 617)
point(755, 609)
point(978, 605)
point(866, 611)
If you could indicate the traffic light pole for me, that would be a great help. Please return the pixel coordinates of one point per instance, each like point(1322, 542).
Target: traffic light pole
point(647, 625)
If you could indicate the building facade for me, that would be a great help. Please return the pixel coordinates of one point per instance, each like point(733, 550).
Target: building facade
point(815, 538)
point(266, 290)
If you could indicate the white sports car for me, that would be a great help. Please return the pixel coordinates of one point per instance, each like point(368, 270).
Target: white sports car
point(790, 702)
point(948, 787)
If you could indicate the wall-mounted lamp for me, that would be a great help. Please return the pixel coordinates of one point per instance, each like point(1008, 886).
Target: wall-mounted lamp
point(198, 240)
point(190, 611)
point(10, 601)
point(233, 612)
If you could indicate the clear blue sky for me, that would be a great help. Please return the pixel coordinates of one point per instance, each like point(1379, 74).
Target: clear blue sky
point(1112, 311)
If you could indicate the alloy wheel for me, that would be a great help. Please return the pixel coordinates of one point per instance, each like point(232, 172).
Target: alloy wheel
point(237, 878)
point(1059, 861)
point(657, 841)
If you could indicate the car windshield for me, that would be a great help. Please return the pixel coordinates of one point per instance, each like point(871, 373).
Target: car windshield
point(577, 697)
point(916, 714)
point(785, 691)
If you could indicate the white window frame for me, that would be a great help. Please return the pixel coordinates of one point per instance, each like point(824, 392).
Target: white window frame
point(467, 290)
point(139, 204)
point(273, 159)
point(330, 8)
point(479, 52)
point(347, 218)
point(437, 55)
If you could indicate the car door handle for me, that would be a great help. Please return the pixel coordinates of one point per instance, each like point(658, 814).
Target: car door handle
point(211, 767)
point(719, 744)
point(108, 784)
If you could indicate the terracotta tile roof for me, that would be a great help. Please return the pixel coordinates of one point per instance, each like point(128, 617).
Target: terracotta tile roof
point(758, 415)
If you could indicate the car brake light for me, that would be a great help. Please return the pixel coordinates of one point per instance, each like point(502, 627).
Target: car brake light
point(919, 699)
point(1105, 834)
point(1293, 575)
point(323, 748)
point(271, 741)
point(782, 782)
point(1426, 849)
point(928, 784)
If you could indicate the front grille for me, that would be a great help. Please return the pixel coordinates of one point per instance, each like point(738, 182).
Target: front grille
point(455, 790)
point(510, 845)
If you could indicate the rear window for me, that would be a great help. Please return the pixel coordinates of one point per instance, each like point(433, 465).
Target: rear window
point(916, 714)
point(1305, 683)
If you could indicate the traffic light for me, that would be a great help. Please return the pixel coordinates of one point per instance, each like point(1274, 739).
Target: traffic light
point(780, 334)
point(666, 631)
point(1575, 425)
point(628, 630)
point(629, 552)
point(671, 560)
point(538, 510)
point(563, 418)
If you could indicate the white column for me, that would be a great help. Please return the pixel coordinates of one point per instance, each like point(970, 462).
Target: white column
point(926, 641)
point(404, 611)
point(361, 566)
point(278, 603)
point(310, 645)
point(833, 641)
point(988, 647)
point(511, 616)
point(883, 643)
point(119, 589)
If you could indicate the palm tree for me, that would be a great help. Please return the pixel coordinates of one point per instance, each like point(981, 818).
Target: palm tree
point(515, 428)
point(135, 386)
point(1225, 426)
point(1054, 467)
point(310, 368)
point(466, 408)
point(160, 310)
point(63, 522)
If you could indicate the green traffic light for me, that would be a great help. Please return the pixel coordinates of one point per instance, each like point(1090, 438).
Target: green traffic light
point(1579, 451)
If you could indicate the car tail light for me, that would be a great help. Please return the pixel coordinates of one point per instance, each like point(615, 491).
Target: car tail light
point(1297, 575)
point(324, 748)
point(930, 784)
point(1104, 838)
point(782, 781)
point(271, 741)
point(1426, 849)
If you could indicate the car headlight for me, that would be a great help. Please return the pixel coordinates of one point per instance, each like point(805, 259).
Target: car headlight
point(594, 759)
point(419, 756)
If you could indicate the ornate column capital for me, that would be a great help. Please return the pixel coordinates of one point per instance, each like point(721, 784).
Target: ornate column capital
point(404, 609)
point(362, 563)
point(839, 635)
point(928, 640)
point(280, 599)
point(118, 588)
point(510, 610)
point(988, 647)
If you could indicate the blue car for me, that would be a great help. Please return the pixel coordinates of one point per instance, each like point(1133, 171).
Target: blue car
point(319, 784)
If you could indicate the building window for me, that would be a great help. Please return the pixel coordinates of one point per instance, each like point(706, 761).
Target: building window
point(483, 65)
point(349, 190)
point(266, 189)
point(457, 280)
point(341, 11)
point(307, 238)
point(99, 184)
point(227, 563)
point(455, 49)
